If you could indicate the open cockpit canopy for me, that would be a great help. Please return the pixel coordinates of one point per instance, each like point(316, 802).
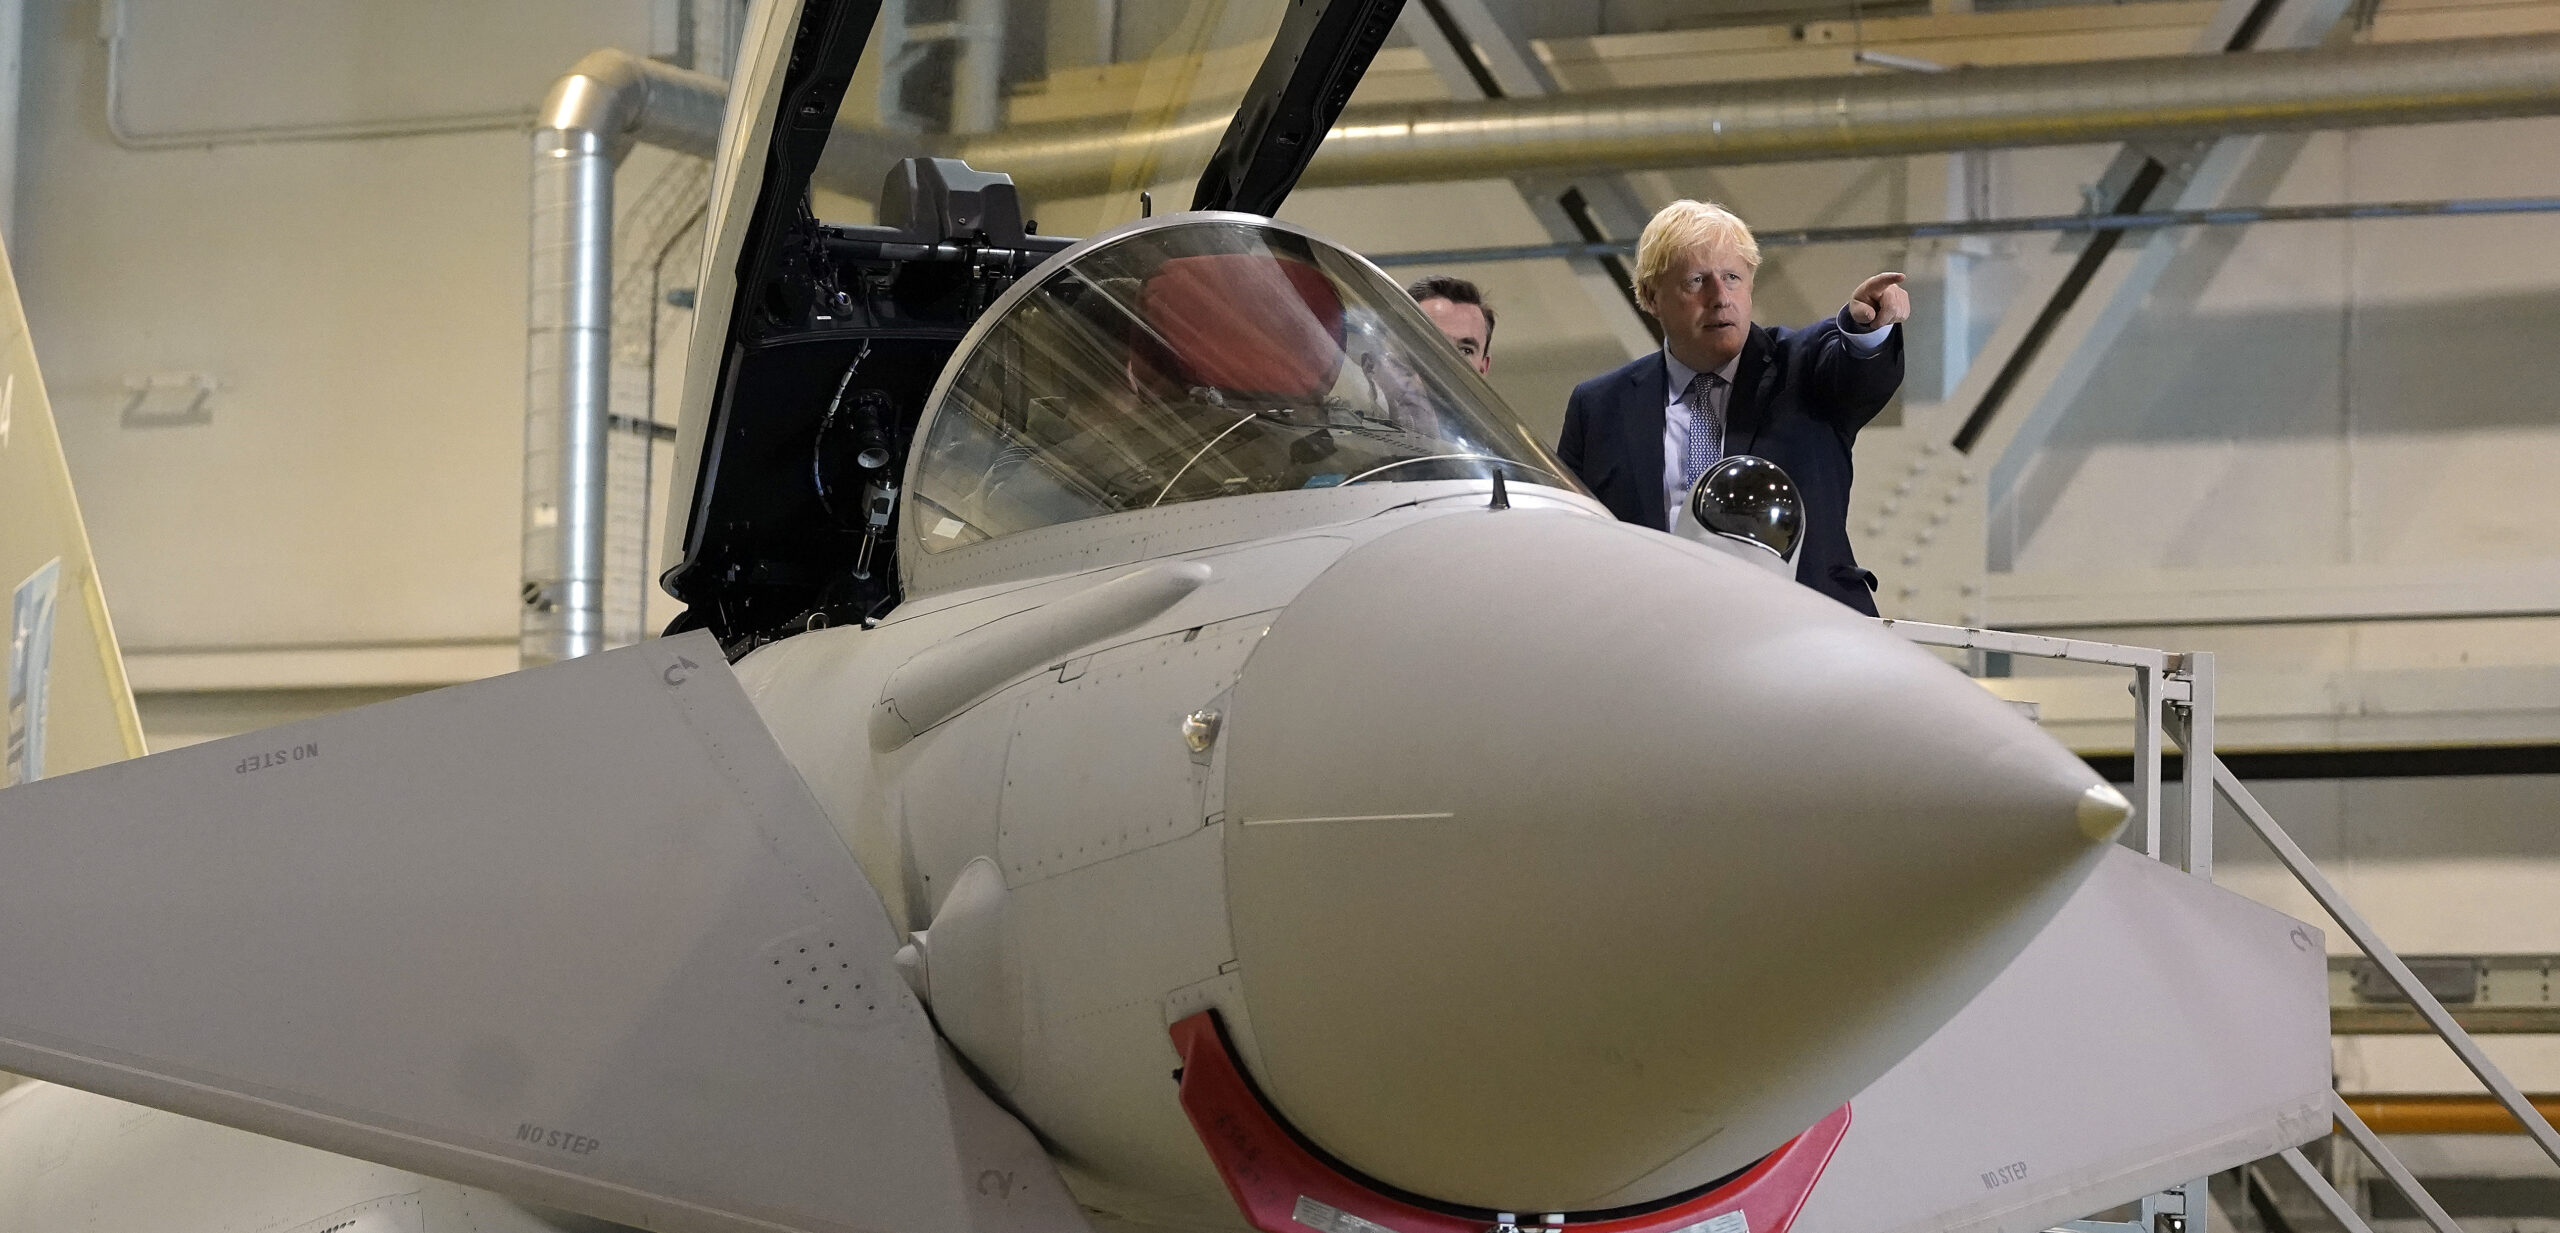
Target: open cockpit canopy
point(1196, 357)
point(887, 175)
point(1083, 107)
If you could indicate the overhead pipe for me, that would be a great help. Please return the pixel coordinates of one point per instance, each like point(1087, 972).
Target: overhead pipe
point(1969, 108)
point(2164, 98)
point(609, 102)
point(1762, 121)
point(2220, 216)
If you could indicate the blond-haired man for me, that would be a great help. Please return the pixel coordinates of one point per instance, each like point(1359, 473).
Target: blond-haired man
point(1639, 437)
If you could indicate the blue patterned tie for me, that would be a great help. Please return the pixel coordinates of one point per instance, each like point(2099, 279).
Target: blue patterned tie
point(1706, 429)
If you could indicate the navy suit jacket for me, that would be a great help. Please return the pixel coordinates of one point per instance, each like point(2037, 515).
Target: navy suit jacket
point(1799, 398)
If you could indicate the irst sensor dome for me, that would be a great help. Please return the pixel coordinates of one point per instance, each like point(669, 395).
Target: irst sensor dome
point(1746, 500)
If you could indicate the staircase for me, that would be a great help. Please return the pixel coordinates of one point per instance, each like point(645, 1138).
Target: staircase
point(2174, 703)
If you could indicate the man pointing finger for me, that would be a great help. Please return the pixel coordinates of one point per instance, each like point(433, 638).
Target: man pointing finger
point(1640, 436)
point(1880, 301)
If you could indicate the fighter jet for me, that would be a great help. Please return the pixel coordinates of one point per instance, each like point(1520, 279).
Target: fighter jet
point(1152, 743)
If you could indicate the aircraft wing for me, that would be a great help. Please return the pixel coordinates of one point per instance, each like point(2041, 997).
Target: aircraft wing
point(2159, 1029)
point(579, 935)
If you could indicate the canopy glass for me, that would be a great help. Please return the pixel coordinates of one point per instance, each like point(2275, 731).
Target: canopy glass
point(1085, 106)
point(1202, 356)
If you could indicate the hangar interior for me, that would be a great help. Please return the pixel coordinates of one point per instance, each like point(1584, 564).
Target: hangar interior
point(274, 259)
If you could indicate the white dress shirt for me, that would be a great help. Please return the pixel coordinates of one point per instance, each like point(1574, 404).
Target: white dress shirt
point(1675, 413)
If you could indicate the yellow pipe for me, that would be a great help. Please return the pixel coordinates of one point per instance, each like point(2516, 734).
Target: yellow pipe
point(2445, 1115)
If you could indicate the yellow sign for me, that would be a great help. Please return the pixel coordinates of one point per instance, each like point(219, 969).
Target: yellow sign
point(68, 706)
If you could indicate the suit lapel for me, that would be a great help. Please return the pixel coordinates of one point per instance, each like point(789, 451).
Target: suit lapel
point(1745, 411)
point(1645, 395)
point(1647, 399)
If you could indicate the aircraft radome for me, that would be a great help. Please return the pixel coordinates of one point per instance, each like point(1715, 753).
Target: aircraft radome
point(1153, 742)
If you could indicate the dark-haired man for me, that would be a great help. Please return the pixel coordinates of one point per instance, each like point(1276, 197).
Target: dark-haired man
point(1458, 308)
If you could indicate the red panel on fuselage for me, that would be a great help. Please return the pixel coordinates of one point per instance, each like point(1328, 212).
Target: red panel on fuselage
point(1284, 1188)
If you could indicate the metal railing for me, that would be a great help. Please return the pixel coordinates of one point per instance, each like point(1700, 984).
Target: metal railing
point(2174, 702)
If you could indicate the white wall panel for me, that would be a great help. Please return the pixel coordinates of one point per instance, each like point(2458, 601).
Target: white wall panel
point(359, 302)
point(199, 71)
point(2376, 392)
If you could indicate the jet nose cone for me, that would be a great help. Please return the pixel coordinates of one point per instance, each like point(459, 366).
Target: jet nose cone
point(1572, 866)
point(2102, 812)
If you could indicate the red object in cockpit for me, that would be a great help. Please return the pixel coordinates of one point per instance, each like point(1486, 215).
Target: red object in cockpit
point(1247, 323)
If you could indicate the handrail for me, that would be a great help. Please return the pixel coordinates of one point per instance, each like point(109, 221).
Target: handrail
point(2335, 904)
point(2320, 1188)
point(2176, 701)
point(2391, 1166)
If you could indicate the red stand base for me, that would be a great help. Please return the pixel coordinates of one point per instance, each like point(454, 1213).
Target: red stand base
point(1284, 1188)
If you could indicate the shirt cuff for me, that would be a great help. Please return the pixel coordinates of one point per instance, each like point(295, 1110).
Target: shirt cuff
point(1867, 343)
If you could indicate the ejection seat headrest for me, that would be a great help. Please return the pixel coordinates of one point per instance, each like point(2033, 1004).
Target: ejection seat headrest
point(1247, 323)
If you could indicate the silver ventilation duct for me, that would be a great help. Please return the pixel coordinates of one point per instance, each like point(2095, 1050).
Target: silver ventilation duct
point(2173, 97)
point(593, 117)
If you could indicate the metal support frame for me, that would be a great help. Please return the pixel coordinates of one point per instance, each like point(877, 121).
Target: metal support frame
point(976, 34)
point(1924, 512)
point(2195, 176)
point(1981, 225)
point(2334, 902)
point(1477, 56)
point(1968, 204)
point(2174, 700)
point(13, 21)
point(2338, 1207)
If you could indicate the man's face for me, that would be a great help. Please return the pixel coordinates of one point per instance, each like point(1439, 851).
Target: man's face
point(1467, 329)
point(1703, 300)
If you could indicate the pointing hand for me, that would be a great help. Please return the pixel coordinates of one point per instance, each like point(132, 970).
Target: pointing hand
point(1880, 301)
